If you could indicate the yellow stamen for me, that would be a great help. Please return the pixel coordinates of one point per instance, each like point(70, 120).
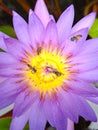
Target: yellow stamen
point(46, 71)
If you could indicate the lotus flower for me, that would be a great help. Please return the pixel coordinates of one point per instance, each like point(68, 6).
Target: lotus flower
point(49, 69)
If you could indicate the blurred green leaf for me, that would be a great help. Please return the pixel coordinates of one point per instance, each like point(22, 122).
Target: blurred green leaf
point(26, 127)
point(5, 124)
point(8, 30)
point(94, 29)
point(1, 50)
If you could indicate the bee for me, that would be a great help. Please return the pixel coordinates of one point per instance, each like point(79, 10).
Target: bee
point(76, 38)
point(39, 49)
point(52, 70)
point(57, 73)
point(32, 68)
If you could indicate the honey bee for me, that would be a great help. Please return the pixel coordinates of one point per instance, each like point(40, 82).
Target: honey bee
point(52, 70)
point(57, 73)
point(39, 50)
point(76, 38)
point(32, 68)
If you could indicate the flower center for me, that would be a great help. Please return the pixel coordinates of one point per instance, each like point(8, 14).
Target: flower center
point(46, 70)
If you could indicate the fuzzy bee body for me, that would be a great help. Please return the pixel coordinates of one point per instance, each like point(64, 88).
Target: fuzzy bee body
point(57, 73)
point(32, 68)
point(54, 71)
point(75, 38)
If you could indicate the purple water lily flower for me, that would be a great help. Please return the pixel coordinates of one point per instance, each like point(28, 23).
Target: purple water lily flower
point(49, 69)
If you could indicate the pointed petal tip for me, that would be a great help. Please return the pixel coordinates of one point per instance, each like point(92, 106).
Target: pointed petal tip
point(14, 13)
point(71, 7)
point(51, 23)
point(93, 14)
point(86, 21)
point(31, 12)
point(64, 23)
point(39, 3)
point(42, 12)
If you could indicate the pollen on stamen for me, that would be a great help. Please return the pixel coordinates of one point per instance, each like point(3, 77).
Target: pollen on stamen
point(47, 70)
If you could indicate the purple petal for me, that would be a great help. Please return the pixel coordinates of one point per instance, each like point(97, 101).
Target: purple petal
point(7, 101)
point(51, 35)
point(91, 76)
point(9, 87)
point(52, 18)
point(82, 88)
point(84, 58)
point(2, 44)
point(21, 28)
point(84, 62)
point(82, 67)
point(14, 47)
point(85, 22)
point(54, 115)
point(74, 47)
point(42, 12)
point(3, 35)
point(67, 105)
point(6, 58)
point(36, 28)
point(26, 99)
point(93, 99)
point(82, 34)
point(11, 70)
point(18, 123)
point(85, 110)
point(65, 22)
point(70, 125)
point(78, 106)
point(37, 119)
point(8, 72)
point(90, 46)
point(2, 79)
